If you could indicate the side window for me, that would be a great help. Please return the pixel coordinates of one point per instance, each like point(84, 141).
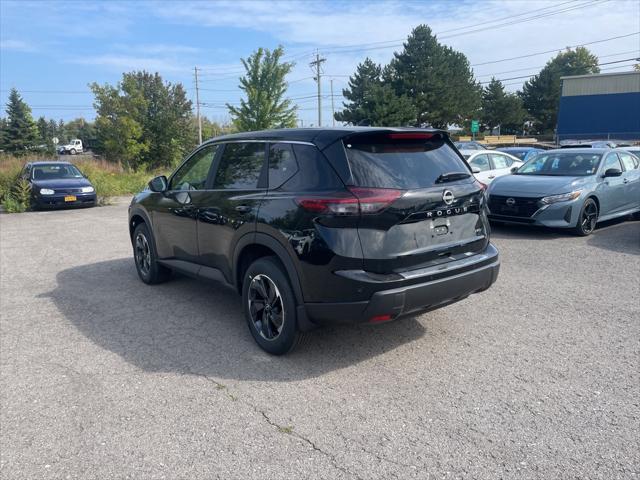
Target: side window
point(627, 160)
point(240, 166)
point(481, 162)
point(193, 174)
point(315, 172)
point(282, 164)
point(612, 161)
point(500, 161)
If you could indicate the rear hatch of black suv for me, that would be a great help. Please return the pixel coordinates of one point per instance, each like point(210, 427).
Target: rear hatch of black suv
point(420, 205)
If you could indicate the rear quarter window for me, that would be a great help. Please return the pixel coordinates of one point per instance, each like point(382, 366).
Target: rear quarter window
point(384, 161)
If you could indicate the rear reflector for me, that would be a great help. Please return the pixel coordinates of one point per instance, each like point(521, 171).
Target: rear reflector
point(380, 318)
point(357, 200)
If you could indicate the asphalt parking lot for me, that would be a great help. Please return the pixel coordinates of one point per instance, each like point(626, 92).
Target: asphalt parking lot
point(104, 377)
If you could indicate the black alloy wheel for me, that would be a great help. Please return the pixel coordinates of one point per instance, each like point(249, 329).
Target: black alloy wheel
point(588, 218)
point(270, 306)
point(145, 257)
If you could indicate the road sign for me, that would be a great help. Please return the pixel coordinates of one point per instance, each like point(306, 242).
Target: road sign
point(55, 140)
point(475, 126)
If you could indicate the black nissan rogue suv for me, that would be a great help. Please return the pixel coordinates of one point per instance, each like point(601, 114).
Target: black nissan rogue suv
point(320, 226)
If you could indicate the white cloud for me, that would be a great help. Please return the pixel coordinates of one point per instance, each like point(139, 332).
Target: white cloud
point(121, 63)
point(16, 45)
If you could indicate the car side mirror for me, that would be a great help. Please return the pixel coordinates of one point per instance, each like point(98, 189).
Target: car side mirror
point(514, 169)
point(475, 170)
point(613, 172)
point(159, 184)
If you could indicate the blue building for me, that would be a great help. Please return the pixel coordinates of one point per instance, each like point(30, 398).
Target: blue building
point(600, 106)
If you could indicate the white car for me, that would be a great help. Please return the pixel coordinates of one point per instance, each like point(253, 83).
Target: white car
point(488, 164)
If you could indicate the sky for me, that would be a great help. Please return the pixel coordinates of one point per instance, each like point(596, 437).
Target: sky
point(50, 51)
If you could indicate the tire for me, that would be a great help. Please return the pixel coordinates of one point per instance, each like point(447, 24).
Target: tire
point(146, 257)
point(266, 279)
point(72, 151)
point(588, 218)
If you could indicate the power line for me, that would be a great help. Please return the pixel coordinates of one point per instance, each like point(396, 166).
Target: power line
point(533, 75)
point(554, 50)
point(564, 10)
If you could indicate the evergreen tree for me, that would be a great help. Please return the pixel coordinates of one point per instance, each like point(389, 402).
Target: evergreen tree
point(43, 130)
point(500, 108)
point(372, 102)
point(436, 78)
point(541, 94)
point(21, 131)
point(264, 86)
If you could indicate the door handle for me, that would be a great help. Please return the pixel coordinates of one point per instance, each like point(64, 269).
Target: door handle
point(243, 208)
point(626, 180)
point(491, 177)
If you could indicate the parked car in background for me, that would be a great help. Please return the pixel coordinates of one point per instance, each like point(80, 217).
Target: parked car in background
point(523, 154)
point(320, 226)
point(58, 184)
point(469, 146)
point(71, 148)
point(487, 165)
point(573, 188)
point(635, 150)
point(589, 144)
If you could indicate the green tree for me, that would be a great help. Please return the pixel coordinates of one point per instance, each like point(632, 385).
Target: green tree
point(264, 86)
point(4, 137)
point(143, 121)
point(372, 102)
point(21, 131)
point(500, 108)
point(541, 94)
point(438, 79)
point(43, 130)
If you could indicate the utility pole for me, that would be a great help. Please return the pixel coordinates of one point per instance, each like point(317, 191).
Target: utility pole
point(333, 110)
point(198, 108)
point(316, 63)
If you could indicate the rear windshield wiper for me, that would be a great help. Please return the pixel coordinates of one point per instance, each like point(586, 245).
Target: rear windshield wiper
point(452, 176)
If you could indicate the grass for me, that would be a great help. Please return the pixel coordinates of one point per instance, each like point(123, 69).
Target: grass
point(109, 179)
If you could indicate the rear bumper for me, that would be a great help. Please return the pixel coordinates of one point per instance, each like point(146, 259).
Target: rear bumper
point(411, 299)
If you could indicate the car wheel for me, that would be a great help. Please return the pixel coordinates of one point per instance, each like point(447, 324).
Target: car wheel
point(72, 151)
point(146, 258)
point(587, 219)
point(270, 307)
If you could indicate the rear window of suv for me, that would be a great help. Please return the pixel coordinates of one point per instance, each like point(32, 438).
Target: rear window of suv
point(402, 161)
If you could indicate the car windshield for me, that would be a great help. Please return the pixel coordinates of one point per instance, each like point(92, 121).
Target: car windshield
point(53, 172)
point(569, 164)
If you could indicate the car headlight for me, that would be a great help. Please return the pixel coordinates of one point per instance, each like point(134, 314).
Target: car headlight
point(46, 191)
point(88, 189)
point(563, 197)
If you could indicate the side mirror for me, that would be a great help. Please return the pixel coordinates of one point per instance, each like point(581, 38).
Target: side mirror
point(475, 170)
point(613, 172)
point(159, 184)
point(514, 169)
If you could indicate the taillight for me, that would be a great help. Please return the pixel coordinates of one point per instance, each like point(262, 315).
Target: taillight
point(358, 200)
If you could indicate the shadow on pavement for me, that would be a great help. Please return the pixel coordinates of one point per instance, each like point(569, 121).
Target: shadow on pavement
point(617, 236)
point(620, 235)
point(187, 326)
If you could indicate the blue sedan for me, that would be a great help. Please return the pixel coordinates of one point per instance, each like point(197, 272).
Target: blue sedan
point(58, 184)
point(568, 188)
